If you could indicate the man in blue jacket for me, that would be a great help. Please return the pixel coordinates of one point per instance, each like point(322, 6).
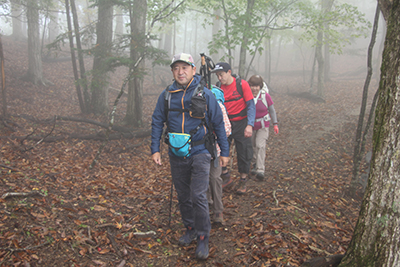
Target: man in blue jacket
point(190, 171)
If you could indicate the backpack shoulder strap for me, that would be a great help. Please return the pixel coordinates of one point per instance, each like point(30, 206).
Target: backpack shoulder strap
point(263, 92)
point(167, 98)
point(239, 85)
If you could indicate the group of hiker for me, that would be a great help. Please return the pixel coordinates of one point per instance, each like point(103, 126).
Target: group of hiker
point(201, 124)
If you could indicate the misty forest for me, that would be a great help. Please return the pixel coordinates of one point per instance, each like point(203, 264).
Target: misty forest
point(79, 83)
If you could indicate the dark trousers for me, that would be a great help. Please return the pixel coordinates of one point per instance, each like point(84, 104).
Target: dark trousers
point(191, 178)
point(244, 148)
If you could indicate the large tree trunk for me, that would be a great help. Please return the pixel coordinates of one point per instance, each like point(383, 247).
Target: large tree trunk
point(35, 71)
point(99, 85)
point(138, 43)
point(376, 237)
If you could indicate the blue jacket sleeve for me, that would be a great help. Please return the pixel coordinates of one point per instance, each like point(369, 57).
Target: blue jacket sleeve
point(216, 118)
point(157, 124)
point(251, 112)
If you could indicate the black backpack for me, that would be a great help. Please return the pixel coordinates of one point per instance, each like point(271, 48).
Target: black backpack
point(196, 110)
point(240, 91)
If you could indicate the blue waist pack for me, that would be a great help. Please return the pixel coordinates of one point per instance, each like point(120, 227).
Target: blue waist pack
point(179, 144)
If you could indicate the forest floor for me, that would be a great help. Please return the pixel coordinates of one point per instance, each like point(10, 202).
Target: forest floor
point(118, 212)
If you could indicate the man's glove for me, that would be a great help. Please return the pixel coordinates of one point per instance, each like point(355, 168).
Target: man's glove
point(276, 129)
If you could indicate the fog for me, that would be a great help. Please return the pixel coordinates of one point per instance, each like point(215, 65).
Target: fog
point(192, 33)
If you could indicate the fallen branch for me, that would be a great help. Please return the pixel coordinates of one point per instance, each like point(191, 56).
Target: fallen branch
point(113, 243)
point(96, 137)
point(41, 140)
point(320, 251)
point(125, 149)
point(293, 234)
point(8, 167)
point(21, 194)
point(144, 233)
point(12, 250)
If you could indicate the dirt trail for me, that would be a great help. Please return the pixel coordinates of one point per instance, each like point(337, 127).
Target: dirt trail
point(89, 217)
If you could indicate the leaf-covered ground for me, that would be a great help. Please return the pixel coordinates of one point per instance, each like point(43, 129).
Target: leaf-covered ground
point(117, 213)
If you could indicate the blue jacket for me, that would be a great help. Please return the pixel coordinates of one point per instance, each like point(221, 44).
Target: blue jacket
point(182, 123)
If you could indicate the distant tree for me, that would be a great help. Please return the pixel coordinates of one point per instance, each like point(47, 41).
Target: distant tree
point(73, 57)
point(54, 27)
point(83, 82)
point(137, 14)
point(35, 70)
point(119, 22)
point(361, 132)
point(3, 81)
point(245, 25)
point(245, 40)
point(17, 19)
point(333, 23)
point(376, 236)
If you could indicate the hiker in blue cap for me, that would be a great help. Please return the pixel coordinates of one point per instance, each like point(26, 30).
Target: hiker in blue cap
point(189, 111)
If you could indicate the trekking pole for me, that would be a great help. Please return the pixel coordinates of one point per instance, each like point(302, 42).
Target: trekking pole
point(203, 70)
point(207, 65)
point(232, 154)
point(170, 204)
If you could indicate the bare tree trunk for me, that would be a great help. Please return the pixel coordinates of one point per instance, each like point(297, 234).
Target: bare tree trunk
point(35, 71)
point(216, 26)
point(320, 60)
point(99, 85)
point(83, 80)
point(3, 81)
point(119, 23)
point(53, 26)
point(326, 7)
point(135, 90)
point(168, 42)
point(313, 71)
point(359, 146)
point(245, 41)
point(376, 236)
point(17, 15)
point(185, 37)
point(74, 67)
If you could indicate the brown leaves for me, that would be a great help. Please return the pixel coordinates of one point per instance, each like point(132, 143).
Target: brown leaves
point(307, 166)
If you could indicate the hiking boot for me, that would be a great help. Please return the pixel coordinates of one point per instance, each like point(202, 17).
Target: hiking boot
point(219, 218)
point(202, 247)
point(242, 187)
point(188, 237)
point(227, 183)
point(225, 175)
point(253, 169)
point(260, 176)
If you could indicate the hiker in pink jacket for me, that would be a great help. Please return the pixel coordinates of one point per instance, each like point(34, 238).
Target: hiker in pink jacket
point(265, 112)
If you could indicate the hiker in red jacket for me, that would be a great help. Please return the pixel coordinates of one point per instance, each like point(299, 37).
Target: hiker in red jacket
point(241, 111)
